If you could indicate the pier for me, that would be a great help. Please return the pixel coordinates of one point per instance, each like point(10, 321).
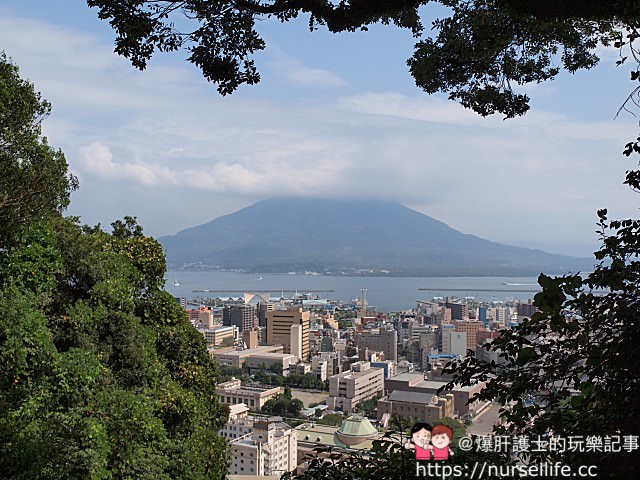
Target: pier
point(440, 289)
point(248, 290)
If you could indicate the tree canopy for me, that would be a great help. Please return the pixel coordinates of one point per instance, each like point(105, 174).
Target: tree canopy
point(34, 182)
point(102, 376)
point(478, 52)
point(571, 370)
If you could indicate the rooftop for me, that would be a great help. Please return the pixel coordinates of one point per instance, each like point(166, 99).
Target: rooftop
point(326, 436)
point(410, 397)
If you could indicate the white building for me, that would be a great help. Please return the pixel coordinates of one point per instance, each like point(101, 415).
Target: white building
point(240, 423)
point(348, 389)
point(320, 367)
point(270, 450)
point(454, 343)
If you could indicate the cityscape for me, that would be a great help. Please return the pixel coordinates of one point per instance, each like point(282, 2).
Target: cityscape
point(301, 372)
point(319, 239)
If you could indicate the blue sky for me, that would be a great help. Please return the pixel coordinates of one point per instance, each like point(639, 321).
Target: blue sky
point(334, 115)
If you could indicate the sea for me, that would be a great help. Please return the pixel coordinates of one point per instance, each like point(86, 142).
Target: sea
point(387, 294)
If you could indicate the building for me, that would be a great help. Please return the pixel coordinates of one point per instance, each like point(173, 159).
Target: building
point(459, 311)
point(355, 434)
point(482, 314)
point(250, 338)
point(237, 358)
point(232, 392)
point(296, 343)
point(385, 341)
point(463, 404)
point(499, 314)
point(388, 366)
point(486, 356)
point(242, 316)
point(280, 331)
point(240, 423)
point(334, 362)
point(300, 368)
point(416, 406)
point(182, 301)
point(348, 389)
point(326, 344)
point(454, 343)
point(271, 449)
point(217, 336)
point(525, 310)
point(274, 362)
point(320, 367)
point(471, 328)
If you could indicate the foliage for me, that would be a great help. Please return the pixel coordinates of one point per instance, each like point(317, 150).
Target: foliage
point(34, 182)
point(484, 48)
point(459, 428)
point(479, 51)
point(227, 372)
point(308, 380)
point(386, 459)
point(102, 374)
point(331, 419)
point(283, 405)
point(571, 369)
point(368, 407)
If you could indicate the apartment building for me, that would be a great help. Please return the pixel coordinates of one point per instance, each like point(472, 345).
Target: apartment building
point(242, 316)
point(348, 389)
point(386, 340)
point(271, 449)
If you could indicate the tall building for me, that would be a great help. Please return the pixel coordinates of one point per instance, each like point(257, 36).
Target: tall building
point(525, 310)
point(499, 314)
point(280, 331)
point(454, 343)
point(471, 328)
point(242, 316)
point(482, 315)
point(459, 311)
point(385, 341)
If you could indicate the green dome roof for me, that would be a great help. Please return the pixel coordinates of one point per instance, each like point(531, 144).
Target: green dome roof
point(356, 429)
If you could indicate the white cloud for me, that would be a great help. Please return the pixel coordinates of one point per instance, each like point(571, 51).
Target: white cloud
point(167, 144)
point(97, 159)
point(299, 74)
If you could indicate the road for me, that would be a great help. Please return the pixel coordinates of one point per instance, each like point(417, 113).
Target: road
point(483, 425)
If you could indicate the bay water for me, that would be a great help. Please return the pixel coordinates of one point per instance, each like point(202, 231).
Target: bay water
point(386, 293)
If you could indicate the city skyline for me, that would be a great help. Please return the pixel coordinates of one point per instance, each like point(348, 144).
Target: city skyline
point(334, 115)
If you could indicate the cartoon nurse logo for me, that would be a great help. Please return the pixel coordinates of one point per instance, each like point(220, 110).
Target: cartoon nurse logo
point(441, 437)
point(420, 438)
point(430, 443)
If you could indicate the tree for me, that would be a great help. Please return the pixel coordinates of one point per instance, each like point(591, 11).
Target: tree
point(571, 368)
point(481, 49)
point(331, 419)
point(102, 374)
point(34, 182)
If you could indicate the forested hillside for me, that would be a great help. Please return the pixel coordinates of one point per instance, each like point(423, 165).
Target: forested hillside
point(101, 374)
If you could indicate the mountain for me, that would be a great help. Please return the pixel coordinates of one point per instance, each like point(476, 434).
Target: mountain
point(351, 237)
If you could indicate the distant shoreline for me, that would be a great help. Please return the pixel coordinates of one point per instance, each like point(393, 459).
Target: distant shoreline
point(494, 274)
